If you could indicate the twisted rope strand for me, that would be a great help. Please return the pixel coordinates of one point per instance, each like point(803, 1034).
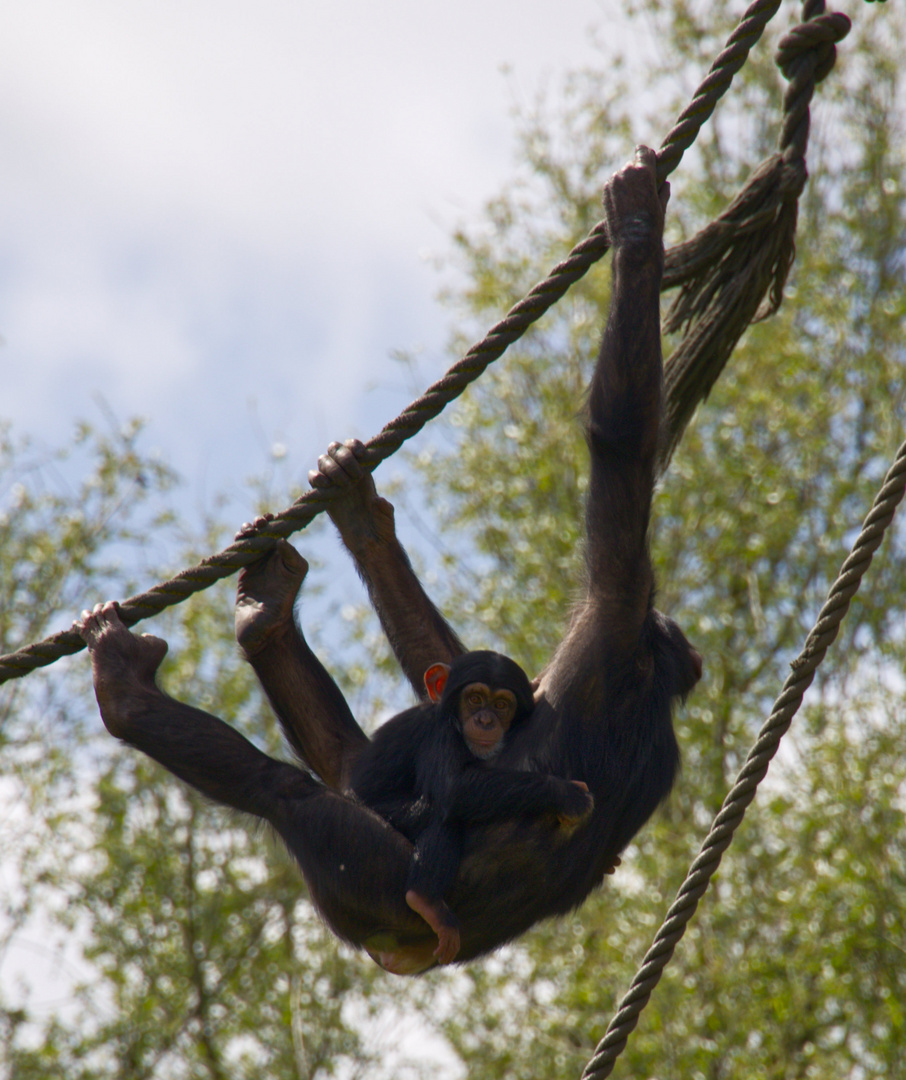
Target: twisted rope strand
point(753, 771)
point(520, 317)
point(714, 86)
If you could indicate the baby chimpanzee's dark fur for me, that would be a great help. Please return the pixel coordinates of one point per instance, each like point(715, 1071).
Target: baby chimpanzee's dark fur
point(420, 774)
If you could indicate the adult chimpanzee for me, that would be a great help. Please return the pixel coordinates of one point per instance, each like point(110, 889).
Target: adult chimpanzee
point(602, 710)
point(428, 772)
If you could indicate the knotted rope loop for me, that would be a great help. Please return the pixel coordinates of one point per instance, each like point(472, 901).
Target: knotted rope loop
point(733, 272)
point(806, 56)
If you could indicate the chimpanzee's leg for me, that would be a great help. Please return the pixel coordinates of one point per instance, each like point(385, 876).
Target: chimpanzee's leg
point(354, 863)
point(311, 710)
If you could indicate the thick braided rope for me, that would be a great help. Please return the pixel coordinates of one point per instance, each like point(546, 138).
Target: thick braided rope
point(733, 272)
point(806, 56)
point(441, 393)
point(752, 772)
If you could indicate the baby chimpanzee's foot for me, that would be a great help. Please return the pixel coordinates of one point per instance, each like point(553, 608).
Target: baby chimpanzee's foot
point(265, 596)
point(123, 664)
point(441, 920)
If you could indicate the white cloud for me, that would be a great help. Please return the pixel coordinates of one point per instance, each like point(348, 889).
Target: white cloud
point(211, 201)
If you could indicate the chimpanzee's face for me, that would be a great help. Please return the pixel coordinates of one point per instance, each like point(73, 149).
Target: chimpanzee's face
point(485, 716)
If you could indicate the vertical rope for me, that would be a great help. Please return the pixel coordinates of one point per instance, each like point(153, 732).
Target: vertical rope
point(753, 771)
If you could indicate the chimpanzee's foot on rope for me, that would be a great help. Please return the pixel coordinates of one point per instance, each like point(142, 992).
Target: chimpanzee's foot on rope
point(265, 597)
point(123, 664)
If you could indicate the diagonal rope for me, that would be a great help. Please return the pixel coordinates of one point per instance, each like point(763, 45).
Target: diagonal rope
point(752, 772)
point(441, 393)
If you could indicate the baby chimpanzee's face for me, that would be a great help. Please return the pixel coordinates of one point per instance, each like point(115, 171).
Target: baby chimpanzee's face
point(485, 715)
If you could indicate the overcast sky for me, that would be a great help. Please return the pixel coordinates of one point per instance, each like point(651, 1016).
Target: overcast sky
point(219, 215)
point(205, 205)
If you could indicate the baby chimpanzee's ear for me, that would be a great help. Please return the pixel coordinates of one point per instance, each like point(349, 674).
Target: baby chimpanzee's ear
point(436, 680)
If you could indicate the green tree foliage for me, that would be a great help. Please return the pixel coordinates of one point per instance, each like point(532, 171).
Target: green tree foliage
point(794, 966)
point(59, 538)
point(186, 946)
point(199, 956)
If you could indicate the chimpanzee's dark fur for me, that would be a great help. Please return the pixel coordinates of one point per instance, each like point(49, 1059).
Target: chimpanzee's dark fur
point(419, 774)
point(602, 711)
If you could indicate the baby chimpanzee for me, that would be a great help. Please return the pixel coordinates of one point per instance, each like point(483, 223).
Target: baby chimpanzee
point(428, 772)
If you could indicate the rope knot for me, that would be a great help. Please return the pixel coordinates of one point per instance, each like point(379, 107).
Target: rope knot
point(793, 175)
point(805, 56)
point(818, 38)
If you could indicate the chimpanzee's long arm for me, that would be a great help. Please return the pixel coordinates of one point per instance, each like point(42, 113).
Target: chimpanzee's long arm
point(622, 429)
point(482, 795)
point(418, 634)
point(624, 413)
